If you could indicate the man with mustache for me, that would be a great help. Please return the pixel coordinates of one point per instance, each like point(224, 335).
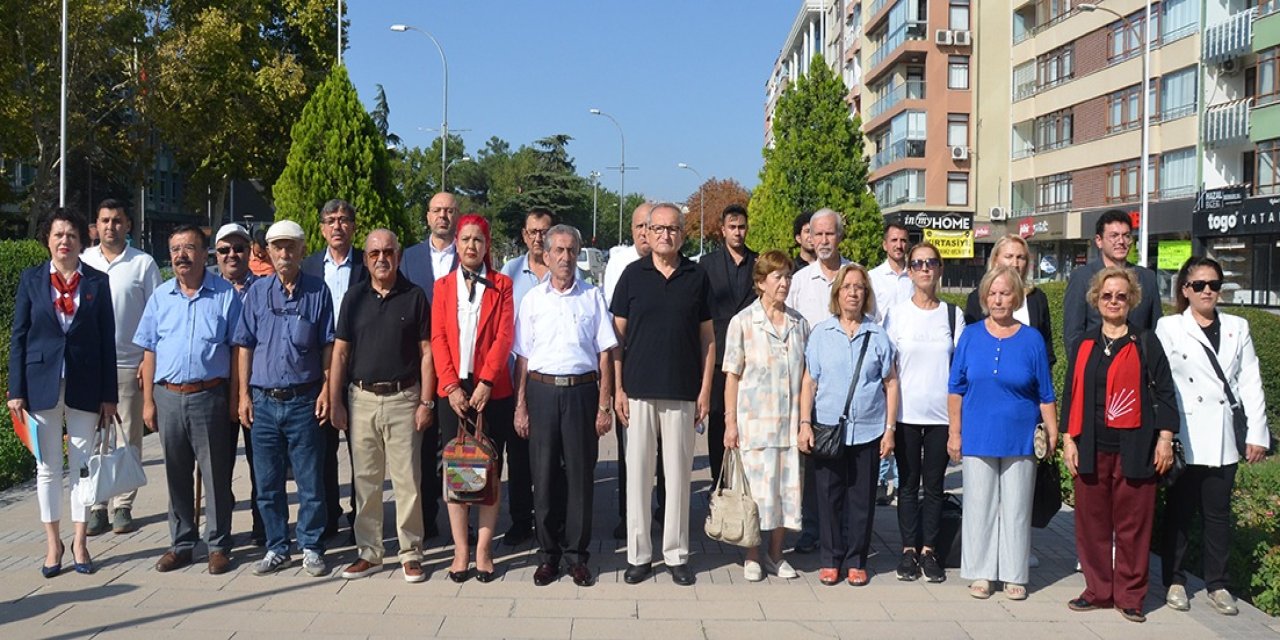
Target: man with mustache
point(185, 395)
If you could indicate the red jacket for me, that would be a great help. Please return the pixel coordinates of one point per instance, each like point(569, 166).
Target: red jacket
point(495, 334)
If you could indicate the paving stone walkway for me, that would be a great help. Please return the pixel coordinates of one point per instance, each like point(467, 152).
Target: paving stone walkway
point(127, 598)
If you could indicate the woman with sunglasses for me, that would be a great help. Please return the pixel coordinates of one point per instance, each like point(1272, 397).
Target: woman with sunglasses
point(1119, 411)
point(1203, 345)
point(924, 332)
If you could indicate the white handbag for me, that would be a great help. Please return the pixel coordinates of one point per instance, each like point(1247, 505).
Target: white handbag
point(110, 471)
point(734, 517)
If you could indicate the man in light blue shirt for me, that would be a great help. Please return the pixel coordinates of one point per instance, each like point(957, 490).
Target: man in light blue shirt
point(185, 332)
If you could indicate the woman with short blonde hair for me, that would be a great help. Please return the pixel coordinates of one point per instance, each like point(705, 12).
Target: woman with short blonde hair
point(1013, 252)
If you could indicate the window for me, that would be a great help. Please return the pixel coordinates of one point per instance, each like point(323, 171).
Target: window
point(958, 72)
point(1178, 94)
point(1125, 41)
point(1178, 173)
point(1122, 182)
point(958, 130)
point(1178, 18)
point(958, 18)
point(1053, 131)
point(1055, 67)
point(1268, 72)
point(899, 187)
point(957, 189)
point(1024, 80)
point(1268, 172)
point(1123, 111)
point(1053, 193)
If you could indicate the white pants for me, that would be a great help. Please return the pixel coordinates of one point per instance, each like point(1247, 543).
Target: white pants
point(673, 421)
point(131, 427)
point(48, 426)
point(996, 528)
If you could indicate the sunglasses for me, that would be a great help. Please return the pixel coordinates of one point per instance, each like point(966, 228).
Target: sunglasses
point(1118, 297)
point(1199, 285)
point(919, 265)
point(222, 251)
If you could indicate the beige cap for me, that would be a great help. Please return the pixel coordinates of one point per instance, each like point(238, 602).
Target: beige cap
point(285, 230)
point(231, 229)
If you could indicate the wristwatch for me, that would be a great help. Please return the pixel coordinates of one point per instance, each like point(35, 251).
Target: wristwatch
point(430, 404)
point(606, 409)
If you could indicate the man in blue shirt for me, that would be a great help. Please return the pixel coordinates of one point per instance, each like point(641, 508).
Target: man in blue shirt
point(286, 335)
point(185, 331)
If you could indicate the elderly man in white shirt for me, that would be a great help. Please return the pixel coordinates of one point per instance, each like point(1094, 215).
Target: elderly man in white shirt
point(564, 335)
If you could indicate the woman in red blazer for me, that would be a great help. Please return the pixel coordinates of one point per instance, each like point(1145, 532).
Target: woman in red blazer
point(472, 331)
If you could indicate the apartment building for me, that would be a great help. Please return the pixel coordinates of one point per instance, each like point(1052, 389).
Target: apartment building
point(821, 26)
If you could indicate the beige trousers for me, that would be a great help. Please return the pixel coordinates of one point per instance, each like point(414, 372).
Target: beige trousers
point(673, 421)
point(384, 441)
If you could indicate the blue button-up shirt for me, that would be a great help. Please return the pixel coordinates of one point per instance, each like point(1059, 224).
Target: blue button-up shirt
point(288, 334)
point(191, 336)
point(338, 278)
point(830, 357)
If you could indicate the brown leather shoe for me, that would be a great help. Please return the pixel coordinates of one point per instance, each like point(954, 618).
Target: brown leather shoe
point(171, 561)
point(413, 572)
point(581, 575)
point(359, 569)
point(545, 574)
point(219, 563)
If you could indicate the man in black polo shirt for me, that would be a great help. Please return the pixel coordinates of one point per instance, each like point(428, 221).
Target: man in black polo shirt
point(382, 394)
point(662, 386)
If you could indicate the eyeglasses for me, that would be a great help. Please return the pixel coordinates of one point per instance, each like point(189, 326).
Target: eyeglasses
point(1199, 285)
point(669, 230)
point(177, 248)
point(1119, 296)
point(536, 233)
point(920, 265)
point(1118, 238)
point(235, 248)
point(378, 253)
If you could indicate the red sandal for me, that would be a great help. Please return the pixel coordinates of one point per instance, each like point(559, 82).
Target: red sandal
point(829, 577)
point(858, 577)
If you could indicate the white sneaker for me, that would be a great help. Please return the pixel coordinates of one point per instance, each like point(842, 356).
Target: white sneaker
point(782, 568)
point(313, 562)
point(752, 572)
point(270, 563)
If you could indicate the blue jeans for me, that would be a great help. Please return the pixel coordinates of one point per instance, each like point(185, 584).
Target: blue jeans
point(285, 432)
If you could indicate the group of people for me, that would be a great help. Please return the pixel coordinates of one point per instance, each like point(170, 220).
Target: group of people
point(811, 372)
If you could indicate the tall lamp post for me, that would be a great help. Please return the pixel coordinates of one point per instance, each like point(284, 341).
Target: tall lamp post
point(622, 169)
point(595, 202)
point(444, 124)
point(62, 117)
point(1144, 224)
point(702, 212)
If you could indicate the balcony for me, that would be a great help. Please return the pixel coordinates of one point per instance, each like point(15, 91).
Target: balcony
point(1226, 124)
point(895, 152)
point(909, 90)
point(1228, 39)
point(894, 41)
point(1268, 8)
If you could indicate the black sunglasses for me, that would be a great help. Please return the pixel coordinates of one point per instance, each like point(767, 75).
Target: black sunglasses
point(222, 251)
point(919, 265)
point(1199, 285)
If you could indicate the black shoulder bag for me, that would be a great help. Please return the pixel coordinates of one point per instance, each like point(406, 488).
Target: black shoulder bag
point(828, 440)
point(1239, 420)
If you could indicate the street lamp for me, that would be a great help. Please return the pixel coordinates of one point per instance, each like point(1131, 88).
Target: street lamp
point(1144, 224)
point(622, 169)
point(62, 117)
point(702, 212)
point(595, 202)
point(444, 124)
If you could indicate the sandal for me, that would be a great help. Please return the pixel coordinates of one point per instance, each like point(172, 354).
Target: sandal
point(1015, 591)
point(980, 589)
point(858, 577)
point(829, 577)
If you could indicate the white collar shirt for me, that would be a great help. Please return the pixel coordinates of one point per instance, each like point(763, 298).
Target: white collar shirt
point(442, 259)
point(890, 288)
point(810, 293)
point(468, 323)
point(65, 319)
point(338, 277)
point(619, 258)
point(133, 277)
point(563, 333)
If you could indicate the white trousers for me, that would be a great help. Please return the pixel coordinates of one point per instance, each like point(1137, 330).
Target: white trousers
point(48, 425)
point(673, 421)
point(996, 528)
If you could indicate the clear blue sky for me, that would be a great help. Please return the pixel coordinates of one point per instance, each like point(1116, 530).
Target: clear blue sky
point(685, 79)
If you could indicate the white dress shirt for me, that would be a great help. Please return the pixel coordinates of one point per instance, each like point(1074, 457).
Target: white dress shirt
point(468, 323)
point(63, 318)
point(563, 333)
point(619, 258)
point(890, 289)
point(810, 293)
point(338, 277)
point(442, 259)
point(133, 277)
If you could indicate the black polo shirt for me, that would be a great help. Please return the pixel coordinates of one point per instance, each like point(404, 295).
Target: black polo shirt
point(384, 331)
point(662, 350)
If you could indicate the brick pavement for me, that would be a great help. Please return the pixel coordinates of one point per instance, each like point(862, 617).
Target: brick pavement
point(126, 598)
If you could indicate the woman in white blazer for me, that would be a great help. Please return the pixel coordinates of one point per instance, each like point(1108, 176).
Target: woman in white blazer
point(1207, 433)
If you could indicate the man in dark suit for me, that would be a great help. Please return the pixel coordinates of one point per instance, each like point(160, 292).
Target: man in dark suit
point(340, 265)
point(423, 264)
point(732, 290)
point(1113, 236)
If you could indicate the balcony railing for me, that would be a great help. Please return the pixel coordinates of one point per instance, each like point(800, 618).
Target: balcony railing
point(876, 7)
point(1227, 123)
point(908, 90)
point(1228, 39)
point(897, 151)
point(908, 31)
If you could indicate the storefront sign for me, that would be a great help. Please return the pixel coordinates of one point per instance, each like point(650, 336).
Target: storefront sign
point(951, 244)
point(1250, 217)
point(1224, 198)
point(1042, 229)
point(941, 221)
point(1172, 254)
point(982, 231)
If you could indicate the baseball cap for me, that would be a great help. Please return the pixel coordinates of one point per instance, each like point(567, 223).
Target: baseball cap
point(285, 230)
point(231, 229)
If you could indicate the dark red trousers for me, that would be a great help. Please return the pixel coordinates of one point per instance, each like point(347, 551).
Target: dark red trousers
point(1109, 505)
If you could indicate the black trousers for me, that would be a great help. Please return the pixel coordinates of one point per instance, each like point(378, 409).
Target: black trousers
point(512, 450)
point(921, 452)
point(715, 424)
point(1206, 490)
point(431, 484)
point(846, 504)
point(563, 449)
point(258, 532)
point(332, 493)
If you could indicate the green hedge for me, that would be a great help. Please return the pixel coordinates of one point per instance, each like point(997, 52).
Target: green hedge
point(16, 463)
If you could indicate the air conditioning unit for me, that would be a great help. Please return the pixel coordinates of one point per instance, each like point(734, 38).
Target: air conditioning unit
point(959, 153)
point(962, 38)
point(998, 213)
point(943, 37)
point(1229, 67)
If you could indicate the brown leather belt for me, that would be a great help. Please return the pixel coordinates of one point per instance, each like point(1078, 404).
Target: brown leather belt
point(193, 387)
point(565, 381)
point(384, 388)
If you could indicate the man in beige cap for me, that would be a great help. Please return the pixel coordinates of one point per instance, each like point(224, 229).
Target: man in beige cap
point(285, 335)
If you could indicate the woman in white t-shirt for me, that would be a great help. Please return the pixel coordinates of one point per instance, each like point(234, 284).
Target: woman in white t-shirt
point(924, 332)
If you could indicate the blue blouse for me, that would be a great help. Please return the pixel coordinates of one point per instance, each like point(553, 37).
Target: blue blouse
point(1003, 382)
point(830, 357)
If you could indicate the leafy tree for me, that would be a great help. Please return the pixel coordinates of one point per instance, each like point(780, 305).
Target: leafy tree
point(817, 161)
point(337, 152)
point(718, 194)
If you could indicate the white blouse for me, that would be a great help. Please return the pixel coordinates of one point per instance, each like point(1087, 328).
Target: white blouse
point(468, 323)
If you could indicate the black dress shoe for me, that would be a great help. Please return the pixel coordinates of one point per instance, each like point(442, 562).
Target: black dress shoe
point(637, 573)
point(54, 570)
point(582, 575)
point(485, 576)
point(517, 535)
point(682, 575)
point(1080, 604)
point(460, 576)
point(546, 573)
point(1133, 615)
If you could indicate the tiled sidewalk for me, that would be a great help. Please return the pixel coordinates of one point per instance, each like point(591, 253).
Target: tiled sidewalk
point(126, 598)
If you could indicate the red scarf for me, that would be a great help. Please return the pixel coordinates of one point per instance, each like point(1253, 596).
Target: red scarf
point(66, 300)
point(1124, 389)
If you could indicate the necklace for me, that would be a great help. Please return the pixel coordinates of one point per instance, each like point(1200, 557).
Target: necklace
point(1107, 343)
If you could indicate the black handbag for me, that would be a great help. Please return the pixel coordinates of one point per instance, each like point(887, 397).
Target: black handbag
point(949, 531)
point(1239, 420)
point(828, 440)
point(1047, 499)
point(1179, 465)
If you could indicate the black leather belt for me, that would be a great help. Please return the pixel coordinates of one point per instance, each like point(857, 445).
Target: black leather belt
point(565, 381)
point(384, 388)
point(284, 394)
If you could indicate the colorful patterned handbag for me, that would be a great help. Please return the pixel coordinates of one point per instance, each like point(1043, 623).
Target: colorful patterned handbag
point(470, 465)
